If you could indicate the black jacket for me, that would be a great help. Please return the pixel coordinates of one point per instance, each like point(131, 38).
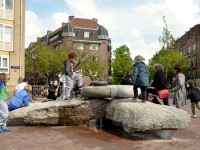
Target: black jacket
point(193, 94)
point(52, 90)
point(127, 81)
point(159, 81)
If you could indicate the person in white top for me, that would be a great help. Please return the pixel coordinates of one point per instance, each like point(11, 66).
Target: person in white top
point(21, 86)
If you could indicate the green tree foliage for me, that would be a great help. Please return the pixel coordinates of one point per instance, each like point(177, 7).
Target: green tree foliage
point(121, 63)
point(94, 69)
point(49, 61)
point(169, 55)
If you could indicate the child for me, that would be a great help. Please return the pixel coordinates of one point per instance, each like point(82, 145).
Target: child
point(194, 96)
point(70, 76)
point(3, 103)
point(140, 78)
point(54, 91)
point(20, 99)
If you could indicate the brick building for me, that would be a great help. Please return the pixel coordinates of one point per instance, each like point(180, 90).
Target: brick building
point(190, 45)
point(85, 35)
point(12, 37)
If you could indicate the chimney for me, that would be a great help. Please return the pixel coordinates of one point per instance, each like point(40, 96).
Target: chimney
point(48, 31)
point(63, 24)
point(71, 18)
point(94, 19)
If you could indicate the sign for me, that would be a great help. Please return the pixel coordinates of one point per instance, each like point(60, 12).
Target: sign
point(15, 67)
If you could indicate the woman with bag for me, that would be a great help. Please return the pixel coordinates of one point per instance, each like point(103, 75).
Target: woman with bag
point(159, 86)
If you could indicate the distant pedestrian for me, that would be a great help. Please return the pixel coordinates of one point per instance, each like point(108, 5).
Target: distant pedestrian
point(194, 96)
point(3, 103)
point(21, 99)
point(140, 78)
point(180, 90)
point(159, 83)
point(127, 79)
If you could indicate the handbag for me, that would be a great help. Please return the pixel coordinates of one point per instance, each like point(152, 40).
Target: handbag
point(163, 94)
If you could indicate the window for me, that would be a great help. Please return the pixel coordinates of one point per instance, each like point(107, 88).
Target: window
point(95, 58)
point(8, 34)
point(94, 47)
point(194, 48)
point(9, 4)
point(1, 32)
point(7, 9)
point(1, 4)
point(4, 66)
point(6, 37)
point(189, 50)
point(80, 46)
point(86, 34)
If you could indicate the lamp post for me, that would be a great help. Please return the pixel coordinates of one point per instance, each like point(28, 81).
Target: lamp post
point(34, 57)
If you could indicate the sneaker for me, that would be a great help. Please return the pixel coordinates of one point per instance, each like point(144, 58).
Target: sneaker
point(135, 99)
point(143, 101)
point(1, 130)
point(5, 129)
point(194, 116)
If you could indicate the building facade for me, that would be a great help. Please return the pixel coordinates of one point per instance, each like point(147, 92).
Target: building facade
point(85, 35)
point(12, 37)
point(190, 45)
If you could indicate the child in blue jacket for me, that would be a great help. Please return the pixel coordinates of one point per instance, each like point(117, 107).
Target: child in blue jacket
point(140, 78)
point(21, 99)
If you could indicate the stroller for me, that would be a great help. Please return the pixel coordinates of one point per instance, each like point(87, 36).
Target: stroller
point(75, 92)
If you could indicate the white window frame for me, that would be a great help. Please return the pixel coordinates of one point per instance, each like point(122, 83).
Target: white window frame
point(1, 63)
point(4, 34)
point(95, 58)
point(94, 47)
point(3, 8)
point(86, 34)
point(80, 46)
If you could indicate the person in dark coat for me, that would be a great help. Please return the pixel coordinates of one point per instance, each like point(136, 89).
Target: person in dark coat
point(127, 80)
point(53, 91)
point(194, 96)
point(159, 83)
point(140, 78)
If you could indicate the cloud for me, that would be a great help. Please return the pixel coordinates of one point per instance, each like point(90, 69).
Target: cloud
point(32, 27)
point(59, 17)
point(136, 24)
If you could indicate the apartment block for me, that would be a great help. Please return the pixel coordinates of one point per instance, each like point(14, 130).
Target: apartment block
point(12, 39)
point(86, 35)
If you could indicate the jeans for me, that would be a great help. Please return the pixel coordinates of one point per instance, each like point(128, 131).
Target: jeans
point(143, 91)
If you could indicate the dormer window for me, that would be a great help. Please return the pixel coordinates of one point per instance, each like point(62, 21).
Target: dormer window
point(86, 34)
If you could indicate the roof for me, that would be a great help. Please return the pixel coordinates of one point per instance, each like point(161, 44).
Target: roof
point(85, 23)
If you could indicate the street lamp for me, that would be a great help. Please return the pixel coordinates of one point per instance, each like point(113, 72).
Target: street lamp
point(34, 57)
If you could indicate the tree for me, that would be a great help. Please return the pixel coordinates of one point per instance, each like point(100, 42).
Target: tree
point(121, 63)
point(169, 55)
point(94, 69)
point(50, 60)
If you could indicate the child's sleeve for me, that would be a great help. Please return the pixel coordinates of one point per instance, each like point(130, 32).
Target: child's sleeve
point(26, 99)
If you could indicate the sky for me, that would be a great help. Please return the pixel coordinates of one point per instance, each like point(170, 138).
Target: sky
point(135, 23)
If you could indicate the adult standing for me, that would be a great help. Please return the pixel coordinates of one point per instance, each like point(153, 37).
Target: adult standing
point(140, 78)
point(159, 83)
point(180, 90)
